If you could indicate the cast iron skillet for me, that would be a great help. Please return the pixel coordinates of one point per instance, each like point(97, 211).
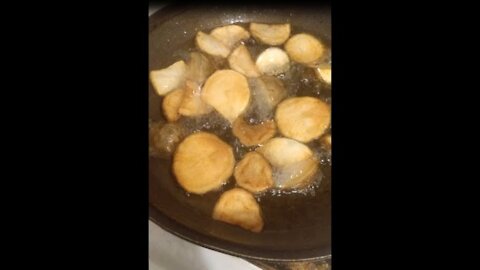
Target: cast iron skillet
point(297, 227)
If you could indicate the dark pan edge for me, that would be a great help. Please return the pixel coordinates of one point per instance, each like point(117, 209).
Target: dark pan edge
point(205, 241)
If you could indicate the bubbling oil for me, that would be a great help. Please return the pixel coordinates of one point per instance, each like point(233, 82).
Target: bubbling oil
point(299, 80)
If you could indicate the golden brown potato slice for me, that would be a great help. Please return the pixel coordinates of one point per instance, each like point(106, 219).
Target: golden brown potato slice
point(305, 49)
point(295, 175)
point(227, 91)
point(273, 61)
point(211, 45)
point(250, 135)
point(241, 61)
point(271, 34)
point(169, 78)
point(253, 173)
point(199, 68)
point(239, 207)
point(203, 162)
point(281, 152)
point(324, 74)
point(230, 35)
point(171, 103)
point(192, 103)
point(302, 118)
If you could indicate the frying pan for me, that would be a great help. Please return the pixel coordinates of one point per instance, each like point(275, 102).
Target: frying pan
point(297, 227)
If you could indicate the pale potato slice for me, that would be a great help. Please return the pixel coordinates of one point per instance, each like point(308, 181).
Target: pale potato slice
point(273, 61)
point(228, 92)
point(302, 118)
point(305, 49)
point(324, 74)
point(199, 68)
point(271, 34)
point(250, 135)
point(192, 103)
point(164, 138)
point(203, 162)
point(241, 61)
point(295, 175)
point(266, 93)
point(211, 45)
point(171, 103)
point(169, 78)
point(230, 35)
point(238, 207)
point(327, 141)
point(281, 152)
point(294, 164)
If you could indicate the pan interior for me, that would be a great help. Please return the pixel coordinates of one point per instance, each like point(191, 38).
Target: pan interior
point(297, 226)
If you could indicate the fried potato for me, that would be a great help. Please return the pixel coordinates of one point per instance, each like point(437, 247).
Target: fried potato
point(250, 135)
point(192, 103)
point(281, 152)
point(241, 61)
point(169, 78)
point(228, 92)
point(239, 207)
point(305, 49)
point(211, 45)
point(171, 103)
point(164, 138)
point(295, 175)
point(230, 35)
point(327, 141)
point(253, 173)
point(199, 68)
point(273, 61)
point(294, 164)
point(271, 34)
point(203, 162)
point(302, 118)
point(324, 74)
point(266, 93)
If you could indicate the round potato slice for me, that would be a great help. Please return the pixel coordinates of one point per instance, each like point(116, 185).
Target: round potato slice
point(324, 74)
point(171, 103)
point(304, 48)
point(271, 34)
point(239, 207)
point(192, 103)
point(167, 79)
point(281, 152)
point(211, 45)
point(229, 35)
point(228, 92)
point(302, 118)
point(203, 162)
point(273, 61)
point(241, 61)
point(253, 173)
point(250, 135)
